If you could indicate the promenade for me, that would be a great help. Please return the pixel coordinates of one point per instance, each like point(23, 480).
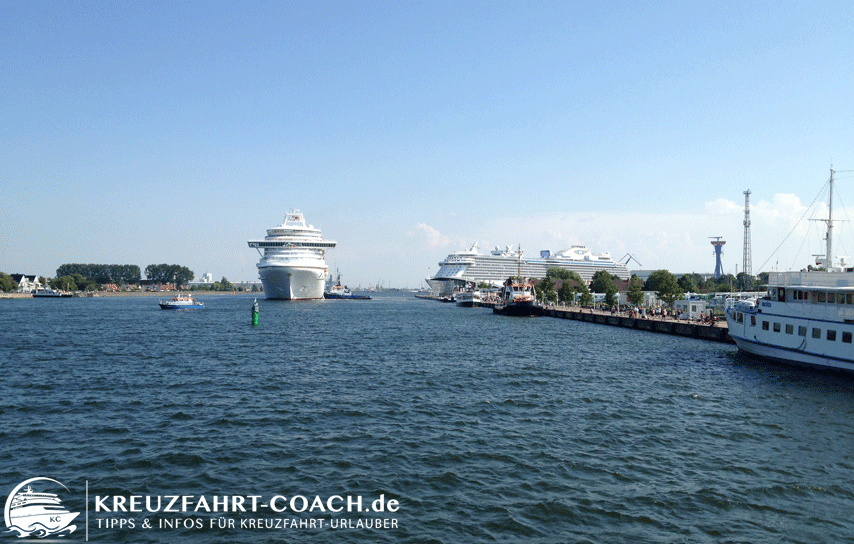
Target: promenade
point(718, 332)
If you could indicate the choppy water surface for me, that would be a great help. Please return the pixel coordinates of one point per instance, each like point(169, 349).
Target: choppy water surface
point(483, 428)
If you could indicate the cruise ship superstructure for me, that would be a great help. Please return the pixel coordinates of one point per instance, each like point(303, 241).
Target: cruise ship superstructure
point(293, 265)
point(40, 513)
point(472, 266)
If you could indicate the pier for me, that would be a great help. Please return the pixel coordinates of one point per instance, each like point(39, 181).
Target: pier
point(677, 327)
point(718, 332)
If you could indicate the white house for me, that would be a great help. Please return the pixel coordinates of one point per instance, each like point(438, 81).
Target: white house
point(26, 284)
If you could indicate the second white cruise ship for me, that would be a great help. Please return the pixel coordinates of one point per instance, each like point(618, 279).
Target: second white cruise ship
point(472, 266)
point(292, 264)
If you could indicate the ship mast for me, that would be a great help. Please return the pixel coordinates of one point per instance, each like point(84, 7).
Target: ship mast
point(829, 259)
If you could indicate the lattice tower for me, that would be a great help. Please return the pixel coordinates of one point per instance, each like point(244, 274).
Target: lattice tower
point(747, 265)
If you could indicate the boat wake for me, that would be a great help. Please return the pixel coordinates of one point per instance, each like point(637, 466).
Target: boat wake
point(39, 530)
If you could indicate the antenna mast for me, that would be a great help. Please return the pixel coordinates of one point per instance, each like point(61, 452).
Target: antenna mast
point(747, 265)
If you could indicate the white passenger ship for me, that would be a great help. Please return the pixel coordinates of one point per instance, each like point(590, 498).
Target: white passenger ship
point(293, 264)
point(472, 266)
point(42, 513)
point(805, 317)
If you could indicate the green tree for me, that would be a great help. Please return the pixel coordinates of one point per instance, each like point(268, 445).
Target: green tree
point(571, 286)
point(65, 283)
point(611, 295)
point(561, 274)
point(601, 280)
point(686, 283)
point(169, 273)
point(567, 292)
point(225, 285)
point(7, 284)
point(746, 282)
point(85, 284)
point(586, 297)
point(665, 285)
point(635, 294)
point(546, 289)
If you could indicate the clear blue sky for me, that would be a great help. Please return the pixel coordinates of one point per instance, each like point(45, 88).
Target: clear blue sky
point(173, 132)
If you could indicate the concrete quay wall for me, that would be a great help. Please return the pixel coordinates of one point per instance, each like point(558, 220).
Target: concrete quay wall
point(717, 333)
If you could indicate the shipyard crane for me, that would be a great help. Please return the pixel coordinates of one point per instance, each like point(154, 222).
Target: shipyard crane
point(630, 258)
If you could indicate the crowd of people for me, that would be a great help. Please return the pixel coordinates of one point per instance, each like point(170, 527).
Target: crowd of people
point(705, 318)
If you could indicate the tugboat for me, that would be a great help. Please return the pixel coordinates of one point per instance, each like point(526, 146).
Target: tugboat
point(181, 302)
point(517, 299)
point(339, 291)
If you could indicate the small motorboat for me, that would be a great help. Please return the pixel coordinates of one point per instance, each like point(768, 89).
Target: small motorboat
point(181, 302)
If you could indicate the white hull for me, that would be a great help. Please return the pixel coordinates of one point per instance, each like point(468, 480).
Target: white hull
point(292, 265)
point(792, 348)
point(293, 283)
point(50, 520)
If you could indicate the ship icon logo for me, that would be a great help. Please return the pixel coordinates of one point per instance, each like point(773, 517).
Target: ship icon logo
point(31, 513)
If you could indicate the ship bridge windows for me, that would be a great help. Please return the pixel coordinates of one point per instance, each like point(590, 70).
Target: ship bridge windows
point(797, 295)
point(825, 297)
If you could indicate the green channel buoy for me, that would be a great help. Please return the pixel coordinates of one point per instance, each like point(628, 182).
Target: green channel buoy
point(255, 313)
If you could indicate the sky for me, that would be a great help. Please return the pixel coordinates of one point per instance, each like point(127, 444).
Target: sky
point(174, 132)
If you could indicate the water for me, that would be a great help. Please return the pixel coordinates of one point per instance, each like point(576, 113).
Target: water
point(483, 428)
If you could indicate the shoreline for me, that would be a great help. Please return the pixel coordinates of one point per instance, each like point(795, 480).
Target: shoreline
point(100, 294)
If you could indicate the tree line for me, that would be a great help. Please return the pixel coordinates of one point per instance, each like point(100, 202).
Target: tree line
point(122, 274)
point(169, 273)
point(89, 277)
point(119, 274)
point(666, 285)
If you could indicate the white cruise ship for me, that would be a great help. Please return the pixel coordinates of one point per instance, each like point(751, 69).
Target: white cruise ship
point(805, 318)
point(472, 266)
point(40, 513)
point(292, 264)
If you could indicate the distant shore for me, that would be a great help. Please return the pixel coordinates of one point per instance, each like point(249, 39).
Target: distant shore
point(144, 294)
